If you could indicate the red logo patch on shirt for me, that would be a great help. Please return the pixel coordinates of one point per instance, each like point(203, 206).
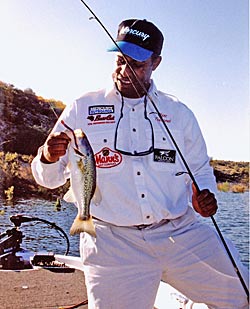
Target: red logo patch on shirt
point(100, 119)
point(107, 158)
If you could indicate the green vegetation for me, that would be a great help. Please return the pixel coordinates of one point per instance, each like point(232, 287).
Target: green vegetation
point(25, 119)
point(223, 186)
point(9, 193)
point(25, 122)
point(227, 187)
point(17, 179)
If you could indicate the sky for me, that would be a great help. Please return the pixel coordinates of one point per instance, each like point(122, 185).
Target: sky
point(54, 48)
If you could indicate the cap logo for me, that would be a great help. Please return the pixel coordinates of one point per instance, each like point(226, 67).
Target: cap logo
point(127, 30)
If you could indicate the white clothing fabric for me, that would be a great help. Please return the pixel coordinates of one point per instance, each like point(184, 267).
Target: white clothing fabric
point(135, 190)
point(124, 265)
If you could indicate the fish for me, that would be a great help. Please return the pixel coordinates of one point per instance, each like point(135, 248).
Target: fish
point(82, 169)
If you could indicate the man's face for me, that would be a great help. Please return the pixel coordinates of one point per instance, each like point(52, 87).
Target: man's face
point(125, 80)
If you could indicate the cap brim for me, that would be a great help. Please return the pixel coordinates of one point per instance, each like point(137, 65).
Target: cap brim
point(132, 50)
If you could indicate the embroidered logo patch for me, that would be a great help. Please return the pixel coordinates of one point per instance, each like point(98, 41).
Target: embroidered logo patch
point(99, 119)
point(165, 117)
point(164, 155)
point(101, 109)
point(107, 158)
point(101, 114)
point(140, 34)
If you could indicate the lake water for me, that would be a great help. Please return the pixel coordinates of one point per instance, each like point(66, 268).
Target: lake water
point(232, 219)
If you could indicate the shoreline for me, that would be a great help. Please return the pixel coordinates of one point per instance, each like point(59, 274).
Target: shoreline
point(17, 180)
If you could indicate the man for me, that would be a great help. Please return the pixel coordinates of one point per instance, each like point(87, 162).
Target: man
point(146, 228)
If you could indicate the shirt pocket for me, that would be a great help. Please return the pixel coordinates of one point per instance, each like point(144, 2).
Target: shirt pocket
point(165, 157)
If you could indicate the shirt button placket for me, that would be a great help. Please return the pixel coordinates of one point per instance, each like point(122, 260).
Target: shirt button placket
point(133, 126)
point(142, 193)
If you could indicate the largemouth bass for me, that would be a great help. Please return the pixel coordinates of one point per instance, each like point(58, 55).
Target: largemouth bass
point(82, 181)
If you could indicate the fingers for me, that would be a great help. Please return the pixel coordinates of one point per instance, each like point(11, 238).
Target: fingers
point(204, 202)
point(55, 146)
point(207, 203)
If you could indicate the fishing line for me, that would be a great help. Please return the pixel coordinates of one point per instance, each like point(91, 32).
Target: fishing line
point(77, 151)
point(173, 141)
point(146, 93)
point(53, 110)
point(95, 17)
point(67, 127)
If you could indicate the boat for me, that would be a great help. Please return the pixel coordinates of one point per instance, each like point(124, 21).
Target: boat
point(167, 297)
point(47, 280)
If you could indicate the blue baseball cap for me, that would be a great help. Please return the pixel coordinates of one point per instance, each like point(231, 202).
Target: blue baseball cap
point(138, 39)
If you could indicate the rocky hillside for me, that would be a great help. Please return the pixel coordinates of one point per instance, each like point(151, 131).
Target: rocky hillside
point(25, 122)
point(25, 119)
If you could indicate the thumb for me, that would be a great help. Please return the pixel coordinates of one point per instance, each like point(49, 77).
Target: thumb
point(194, 198)
point(195, 191)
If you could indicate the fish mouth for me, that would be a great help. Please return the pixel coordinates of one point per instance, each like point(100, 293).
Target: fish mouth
point(79, 133)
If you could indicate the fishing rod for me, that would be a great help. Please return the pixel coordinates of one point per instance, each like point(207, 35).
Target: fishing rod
point(173, 141)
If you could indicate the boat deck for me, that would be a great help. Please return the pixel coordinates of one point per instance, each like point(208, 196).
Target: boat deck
point(42, 289)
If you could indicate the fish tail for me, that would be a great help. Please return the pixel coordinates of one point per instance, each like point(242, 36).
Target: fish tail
point(79, 226)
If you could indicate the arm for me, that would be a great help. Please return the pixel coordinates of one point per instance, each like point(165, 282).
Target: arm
point(204, 202)
point(49, 167)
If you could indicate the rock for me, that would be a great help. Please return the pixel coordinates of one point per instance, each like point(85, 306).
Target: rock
point(25, 122)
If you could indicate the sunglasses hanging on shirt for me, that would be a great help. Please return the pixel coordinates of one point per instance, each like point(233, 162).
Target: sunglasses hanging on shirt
point(121, 134)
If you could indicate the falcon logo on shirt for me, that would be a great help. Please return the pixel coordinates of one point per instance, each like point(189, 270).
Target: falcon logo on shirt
point(164, 155)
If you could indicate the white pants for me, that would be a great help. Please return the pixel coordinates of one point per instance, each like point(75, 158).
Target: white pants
point(124, 265)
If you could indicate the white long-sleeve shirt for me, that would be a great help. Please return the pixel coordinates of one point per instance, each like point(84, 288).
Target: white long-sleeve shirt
point(135, 189)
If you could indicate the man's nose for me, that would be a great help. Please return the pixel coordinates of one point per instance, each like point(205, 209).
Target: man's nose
point(125, 70)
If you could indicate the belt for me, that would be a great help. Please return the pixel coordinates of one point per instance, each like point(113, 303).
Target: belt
point(139, 227)
point(144, 226)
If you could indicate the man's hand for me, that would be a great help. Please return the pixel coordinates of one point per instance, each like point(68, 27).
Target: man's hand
point(55, 147)
point(204, 202)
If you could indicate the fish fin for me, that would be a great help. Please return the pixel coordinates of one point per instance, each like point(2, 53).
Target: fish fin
point(79, 226)
point(69, 196)
point(97, 198)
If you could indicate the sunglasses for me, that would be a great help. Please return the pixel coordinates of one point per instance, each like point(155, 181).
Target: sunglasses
point(148, 124)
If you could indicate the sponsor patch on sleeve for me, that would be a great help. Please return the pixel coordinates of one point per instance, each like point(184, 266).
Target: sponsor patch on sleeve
point(164, 155)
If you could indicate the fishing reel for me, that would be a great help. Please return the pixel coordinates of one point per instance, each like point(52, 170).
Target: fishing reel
point(12, 256)
point(10, 245)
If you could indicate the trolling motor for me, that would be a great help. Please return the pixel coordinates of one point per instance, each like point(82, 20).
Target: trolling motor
point(12, 256)
point(10, 245)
